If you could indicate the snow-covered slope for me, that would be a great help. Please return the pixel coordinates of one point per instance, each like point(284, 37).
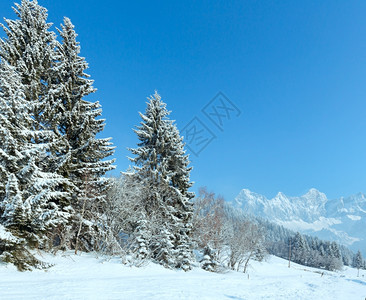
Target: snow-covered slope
point(342, 220)
point(85, 277)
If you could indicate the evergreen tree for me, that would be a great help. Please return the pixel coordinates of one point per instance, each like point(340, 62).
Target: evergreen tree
point(27, 187)
point(14, 124)
point(77, 119)
point(358, 263)
point(163, 248)
point(183, 207)
point(335, 258)
point(162, 165)
point(335, 250)
point(27, 203)
point(209, 262)
point(63, 124)
point(15, 212)
point(321, 250)
point(300, 249)
point(30, 48)
point(142, 240)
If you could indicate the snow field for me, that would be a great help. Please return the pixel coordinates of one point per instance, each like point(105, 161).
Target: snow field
point(87, 277)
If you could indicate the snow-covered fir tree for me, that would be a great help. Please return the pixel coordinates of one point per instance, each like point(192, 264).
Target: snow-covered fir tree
point(62, 166)
point(27, 203)
point(142, 240)
point(162, 247)
point(16, 213)
point(14, 124)
point(209, 262)
point(300, 249)
point(358, 262)
point(26, 185)
point(30, 49)
point(77, 122)
point(78, 119)
point(183, 207)
point(162, 165)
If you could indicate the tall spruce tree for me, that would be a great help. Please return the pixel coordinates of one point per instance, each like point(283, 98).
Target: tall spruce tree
point(183, 207)
point(30, 47)
point(30, 50)
point(358, 262)
point(77, 121)
point(162, 165)
point(14, 124)
point(62, 161)
point(78, 118)
point(27, 201)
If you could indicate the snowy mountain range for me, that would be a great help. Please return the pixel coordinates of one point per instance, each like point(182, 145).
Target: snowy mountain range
point(342, 220)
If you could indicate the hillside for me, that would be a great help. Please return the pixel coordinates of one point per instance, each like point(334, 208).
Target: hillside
point(87, 277)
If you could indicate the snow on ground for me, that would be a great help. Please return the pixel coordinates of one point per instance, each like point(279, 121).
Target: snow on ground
point(86, 277)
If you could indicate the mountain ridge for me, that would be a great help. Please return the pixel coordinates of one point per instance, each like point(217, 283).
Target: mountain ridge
point(312, 213)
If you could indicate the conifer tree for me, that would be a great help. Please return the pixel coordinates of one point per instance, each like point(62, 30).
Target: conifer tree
point(35, 149)
point(142, 240)
point(77, 118)
point(63, 149)
point(162, 165)
point(208, 261)
point(358, 263)
point(77, 122)
point(30, 48)
point(27, 187)
point(299, 248)
point(163, 248)
point(183, 207)
point(335, 251)
point(27, 201)
point(15, 212)
point(14, 124)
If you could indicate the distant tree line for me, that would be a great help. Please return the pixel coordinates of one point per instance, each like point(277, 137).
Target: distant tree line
point(308, 250)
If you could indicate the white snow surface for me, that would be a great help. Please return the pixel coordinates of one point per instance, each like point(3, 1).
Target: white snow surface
point(6, 235)
point(87, 277)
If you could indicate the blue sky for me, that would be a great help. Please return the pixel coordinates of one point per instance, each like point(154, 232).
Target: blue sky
point(295, 69)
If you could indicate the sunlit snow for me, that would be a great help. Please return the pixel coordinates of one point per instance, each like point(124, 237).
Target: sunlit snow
point(85, 277)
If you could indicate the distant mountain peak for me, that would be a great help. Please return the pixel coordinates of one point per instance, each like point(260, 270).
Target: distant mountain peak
point(338, 219)
point(247, 197)
point(315, 196)
point(314, 191)
point(246, 191)
point(249, 194)
point(280, 194)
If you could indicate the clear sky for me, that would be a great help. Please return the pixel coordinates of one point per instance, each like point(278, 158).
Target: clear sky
point(296, 70)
